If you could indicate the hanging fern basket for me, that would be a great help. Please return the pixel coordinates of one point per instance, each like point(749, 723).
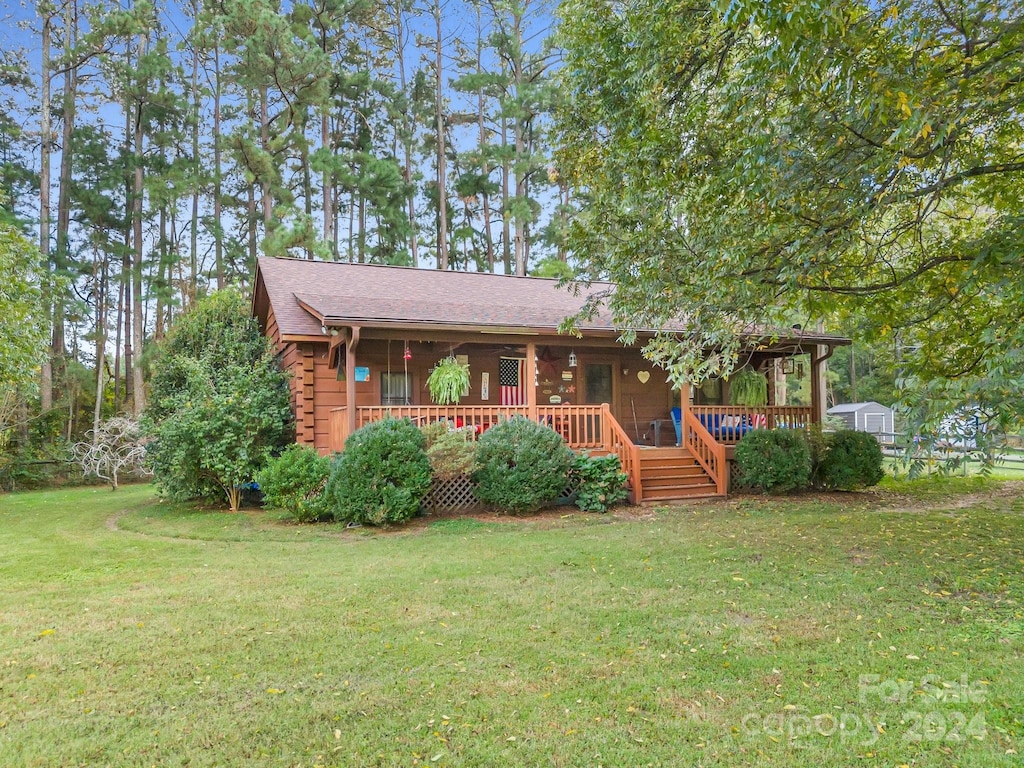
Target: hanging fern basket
point(448, 381)
point(749, 388)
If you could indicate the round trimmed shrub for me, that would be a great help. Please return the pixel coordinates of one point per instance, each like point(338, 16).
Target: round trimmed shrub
point(522, 465)
point(382, 475)
point(774, 460)
point(851, 460)
point(295, 482)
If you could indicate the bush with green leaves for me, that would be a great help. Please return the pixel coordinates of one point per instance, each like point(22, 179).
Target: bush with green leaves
point(295, 481)
point(218, 406)
point(523, 465)
point(851, 460)
point(382, 475)
point(599, 482)
point(451, 451)
point(774, 460)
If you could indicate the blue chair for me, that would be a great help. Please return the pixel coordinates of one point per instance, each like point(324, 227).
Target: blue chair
point(677, 422)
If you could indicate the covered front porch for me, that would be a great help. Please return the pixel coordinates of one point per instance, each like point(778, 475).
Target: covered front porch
point(697, 466)
point(598, 395)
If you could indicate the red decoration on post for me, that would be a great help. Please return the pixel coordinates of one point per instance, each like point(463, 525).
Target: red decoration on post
point(408, 354)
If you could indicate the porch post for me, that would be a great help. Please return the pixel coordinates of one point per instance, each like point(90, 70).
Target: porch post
point(351, 342)
point(531, 379)
point(819, 354)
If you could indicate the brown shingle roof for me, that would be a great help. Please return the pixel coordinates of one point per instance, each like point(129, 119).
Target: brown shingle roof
point(340, 292)
point(304, 294)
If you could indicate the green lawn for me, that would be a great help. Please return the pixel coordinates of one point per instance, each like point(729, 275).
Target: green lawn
point(880, 629)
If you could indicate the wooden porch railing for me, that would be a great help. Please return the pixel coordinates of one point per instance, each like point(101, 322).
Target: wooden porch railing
point(580, 425)
point(736, 420)
point(616, 441)
point(709, 453)
point(589, 427)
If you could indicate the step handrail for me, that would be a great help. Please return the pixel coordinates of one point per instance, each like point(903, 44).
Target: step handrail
point(709, 453)
point(617, 441)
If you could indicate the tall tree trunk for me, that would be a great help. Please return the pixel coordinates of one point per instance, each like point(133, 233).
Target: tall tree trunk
point(506, 223)
point(138, 385)
point(482, 142)
point(69, 102)
point(188, 293)
point(407, 123)
point(117, 346)
point(218, 227)
point(442, 181)
point(45, 130)
point(307, 188)
point(268, 203)
point(100, 280)
point(328, 183)
point(126, 265)
point(520, 151)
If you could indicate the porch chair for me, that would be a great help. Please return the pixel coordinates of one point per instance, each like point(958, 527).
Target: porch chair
point(677, 422)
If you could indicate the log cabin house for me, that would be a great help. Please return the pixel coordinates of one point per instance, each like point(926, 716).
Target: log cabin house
point(360, 341)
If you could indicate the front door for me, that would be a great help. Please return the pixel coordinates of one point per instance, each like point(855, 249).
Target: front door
point(597, 383)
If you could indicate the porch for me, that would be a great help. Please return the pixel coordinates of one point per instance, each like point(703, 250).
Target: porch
point(697, 467)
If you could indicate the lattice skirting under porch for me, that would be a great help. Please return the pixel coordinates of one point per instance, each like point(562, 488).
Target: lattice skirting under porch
point(452, 496)
point(455, 496)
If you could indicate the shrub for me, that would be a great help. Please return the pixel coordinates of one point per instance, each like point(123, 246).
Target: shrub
point(295, 482)
point(382, 475)
point(851, 460)
point(451, 452)
point(219, 405)
point(600, 482)
point(523, 465)
point(774, 460)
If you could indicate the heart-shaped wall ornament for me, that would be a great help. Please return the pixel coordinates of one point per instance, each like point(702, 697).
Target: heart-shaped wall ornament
point(644, 376)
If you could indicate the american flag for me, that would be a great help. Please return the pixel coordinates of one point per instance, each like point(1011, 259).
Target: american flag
point(511, 372)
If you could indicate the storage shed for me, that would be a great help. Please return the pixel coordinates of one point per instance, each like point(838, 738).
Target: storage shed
point(865, 417)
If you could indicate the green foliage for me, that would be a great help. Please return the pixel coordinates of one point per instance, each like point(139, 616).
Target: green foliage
point(295, 481)
point(382, 475)
point(774, 460)
point(599, 481)
point(851, 460)
point(733, 179)
point(448, 381)
point(523, 465)
point(23, 330)
point(748, 387)
point(553, 267)
point(451, 451)
point(218, 403)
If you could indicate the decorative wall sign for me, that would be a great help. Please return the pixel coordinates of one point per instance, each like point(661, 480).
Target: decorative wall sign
point(362, 373)
point(643, 376)
point(566, 375)
point(485, 386)
point(555, 399)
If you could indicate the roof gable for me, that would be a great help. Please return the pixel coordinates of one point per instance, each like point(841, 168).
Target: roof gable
point(306, 294)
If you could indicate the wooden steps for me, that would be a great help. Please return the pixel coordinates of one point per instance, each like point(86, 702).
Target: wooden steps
point(668, 474)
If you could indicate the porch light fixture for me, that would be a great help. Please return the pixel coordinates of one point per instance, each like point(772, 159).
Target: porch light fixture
point(788, 366)
point(572, 359)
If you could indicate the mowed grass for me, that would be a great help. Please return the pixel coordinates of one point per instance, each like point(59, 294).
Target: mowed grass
point(880, 629)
